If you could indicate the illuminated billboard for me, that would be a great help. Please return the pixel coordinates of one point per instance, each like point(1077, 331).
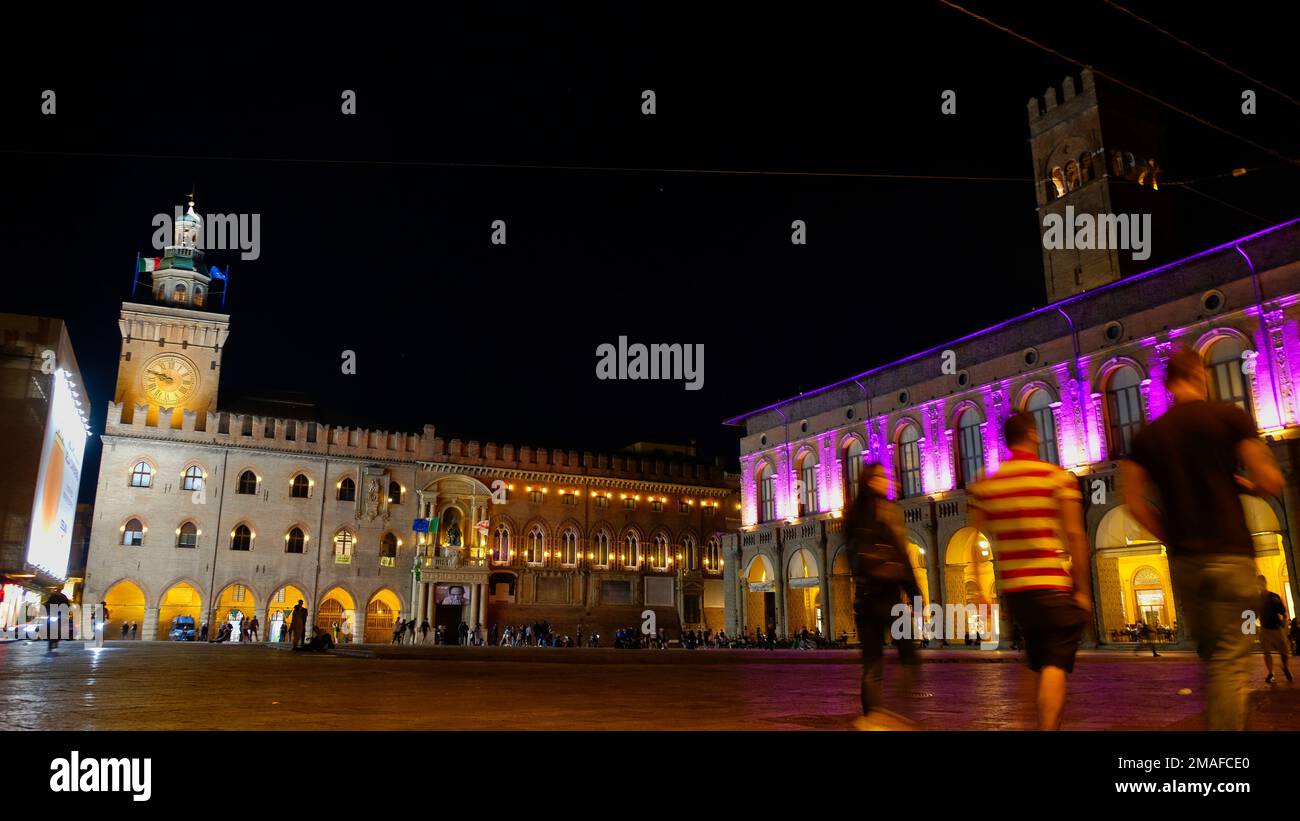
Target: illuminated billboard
point(49, 544)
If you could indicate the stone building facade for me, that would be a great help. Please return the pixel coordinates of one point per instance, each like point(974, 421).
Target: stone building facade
point(221, 516)
point(1089, 366)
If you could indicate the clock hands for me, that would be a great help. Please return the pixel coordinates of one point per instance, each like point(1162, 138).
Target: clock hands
point(163, 376)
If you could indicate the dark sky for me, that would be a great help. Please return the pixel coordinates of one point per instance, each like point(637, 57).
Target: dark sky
point(375, 228)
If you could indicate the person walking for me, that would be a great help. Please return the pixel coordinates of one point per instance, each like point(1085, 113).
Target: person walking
point(424, 630)
point(1189, 459)
point(1148, 637)
point(1272, 615)
point(399, 627)
point(298, 633)
point(882, 576)
point(463, 634)
point(1033, 512)
point(135, 630)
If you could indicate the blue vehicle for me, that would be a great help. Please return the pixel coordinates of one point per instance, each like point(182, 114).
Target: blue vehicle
point(183, 629)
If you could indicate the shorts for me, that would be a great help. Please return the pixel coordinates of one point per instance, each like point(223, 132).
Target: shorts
point(1052, 625)
point(1272, 640)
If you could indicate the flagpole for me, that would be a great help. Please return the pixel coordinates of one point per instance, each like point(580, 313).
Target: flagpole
point(225, 287)
point(135, 277)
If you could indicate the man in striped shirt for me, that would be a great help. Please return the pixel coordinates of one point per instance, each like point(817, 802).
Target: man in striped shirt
point(1032, 511)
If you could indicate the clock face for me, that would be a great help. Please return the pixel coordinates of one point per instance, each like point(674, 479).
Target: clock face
point(169, 379)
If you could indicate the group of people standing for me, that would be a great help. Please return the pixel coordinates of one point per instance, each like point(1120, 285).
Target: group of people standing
point(1181, 482)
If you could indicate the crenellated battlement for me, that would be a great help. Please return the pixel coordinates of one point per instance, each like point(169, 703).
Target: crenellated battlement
point(315, 438)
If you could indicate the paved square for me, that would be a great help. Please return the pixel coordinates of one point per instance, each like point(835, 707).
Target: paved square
point(161, 686)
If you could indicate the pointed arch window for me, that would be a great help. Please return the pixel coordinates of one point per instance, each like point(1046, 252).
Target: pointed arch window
point(188, 535)
point(295, 541)
point(535, 547)
point(301, 487)
point(600, 551)
point(142, 475)
point(242, 538)
point(133, 533)
point(347, 490)
point(247, 483)
point(193, 478)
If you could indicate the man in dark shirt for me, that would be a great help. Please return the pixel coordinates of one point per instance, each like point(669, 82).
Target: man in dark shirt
point(1181, 483)
point(1272, 618)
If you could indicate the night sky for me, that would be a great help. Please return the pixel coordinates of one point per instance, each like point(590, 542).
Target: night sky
point(375, 228)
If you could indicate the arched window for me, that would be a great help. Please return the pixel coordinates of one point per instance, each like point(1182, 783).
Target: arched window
point(808, 484)
point(1039, 405)
point(141, 475)
point(692, 552)
point(852, 469)
point(631, 554)
point(713, 555)
point(600, 552)
point(970, 447)
point(178, 293)
point(247, 483)
point(394, 493)
point(193, 478)
point(501, 545)
point(535, 548)
point(1085, 168)
point(198, 296)
point(767, 493)
point(242, 538)
point(1058, 182)
point(909, 460)
point(295, 541)
point(569, 547)
point(344, 542)
point(659, 554)
point(1123, 410)
point(1071, 175)
point(133, 533)
point(301, 487)
point(388, 547)
point(1227, 383)
point(347, 489)
point(187, 536)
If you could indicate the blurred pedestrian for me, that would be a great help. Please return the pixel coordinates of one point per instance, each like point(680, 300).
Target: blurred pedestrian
point(882, 577)
point(1189, 459)
point(1026, 508)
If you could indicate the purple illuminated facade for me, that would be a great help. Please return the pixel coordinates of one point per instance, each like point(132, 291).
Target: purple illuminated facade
point(1097, 356)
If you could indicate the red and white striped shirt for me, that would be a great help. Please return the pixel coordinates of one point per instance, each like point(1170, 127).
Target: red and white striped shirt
point(1022, 507)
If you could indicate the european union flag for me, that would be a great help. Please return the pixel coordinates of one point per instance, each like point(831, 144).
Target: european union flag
point(216, 273)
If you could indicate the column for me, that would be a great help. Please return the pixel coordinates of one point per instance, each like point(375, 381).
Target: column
point(421, 603)
point(359, 627)
point(482, 608)
point(473, 605)
point(149, 630)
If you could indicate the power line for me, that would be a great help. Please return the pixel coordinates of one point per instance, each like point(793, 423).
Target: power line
point(1112, 78)
point(524, 166)
point(1203, 53)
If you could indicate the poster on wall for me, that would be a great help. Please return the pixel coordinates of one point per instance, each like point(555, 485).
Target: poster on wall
point(49, 543)
point(453, 595)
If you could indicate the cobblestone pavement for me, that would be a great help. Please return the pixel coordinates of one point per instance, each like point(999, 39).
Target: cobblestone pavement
point(157, 686)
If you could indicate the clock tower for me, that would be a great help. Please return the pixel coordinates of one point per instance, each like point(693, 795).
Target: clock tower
point(171, 347)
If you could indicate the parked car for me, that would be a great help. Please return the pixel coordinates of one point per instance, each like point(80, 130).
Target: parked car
point(183, 629)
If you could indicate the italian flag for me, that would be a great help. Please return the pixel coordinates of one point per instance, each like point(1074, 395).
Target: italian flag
point(149, 264)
